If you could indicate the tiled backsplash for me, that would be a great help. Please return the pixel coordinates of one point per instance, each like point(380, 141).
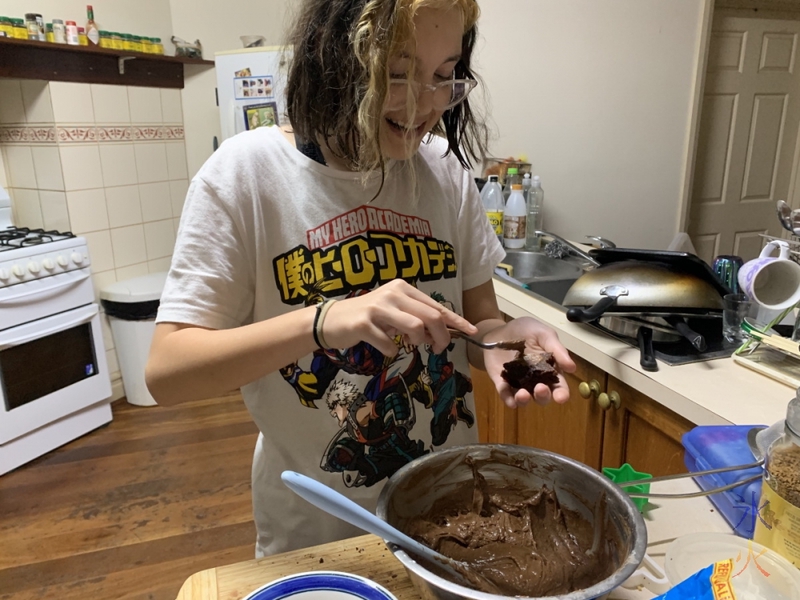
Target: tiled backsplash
point(105, 162)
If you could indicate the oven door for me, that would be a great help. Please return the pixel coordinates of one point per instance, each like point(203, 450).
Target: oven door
point(51, 368)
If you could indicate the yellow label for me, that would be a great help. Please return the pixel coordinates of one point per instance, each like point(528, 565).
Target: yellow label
point(721, 580)
point(496, 220)
point(778, 525)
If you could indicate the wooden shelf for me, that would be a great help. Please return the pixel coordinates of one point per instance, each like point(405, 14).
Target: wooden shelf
point(26, 59)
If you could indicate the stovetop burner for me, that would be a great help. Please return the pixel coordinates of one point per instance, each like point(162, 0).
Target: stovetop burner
point(20, 237)
point(682, 352)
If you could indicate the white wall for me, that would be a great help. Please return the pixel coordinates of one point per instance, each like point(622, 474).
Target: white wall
point(218, 24)
point(599, 95)
point(150, 18)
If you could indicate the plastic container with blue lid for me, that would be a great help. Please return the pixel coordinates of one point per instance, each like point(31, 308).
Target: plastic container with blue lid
point(715, 446)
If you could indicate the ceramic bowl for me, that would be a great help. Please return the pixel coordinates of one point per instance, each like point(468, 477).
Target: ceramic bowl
point(321, 585)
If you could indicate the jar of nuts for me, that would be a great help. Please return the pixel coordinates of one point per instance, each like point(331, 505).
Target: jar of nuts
point(778, 524)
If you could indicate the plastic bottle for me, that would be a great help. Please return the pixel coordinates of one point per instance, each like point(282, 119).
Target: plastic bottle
point(494, 204)
point(526, 186)
point(535, 214)
point(514, 218)
point(778, 525)
point(72, 33)
point(512, 178)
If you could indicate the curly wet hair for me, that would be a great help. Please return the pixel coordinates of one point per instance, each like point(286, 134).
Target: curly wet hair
point(338, 77)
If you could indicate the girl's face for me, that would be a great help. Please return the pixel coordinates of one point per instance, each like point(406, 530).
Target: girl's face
point(438, 49)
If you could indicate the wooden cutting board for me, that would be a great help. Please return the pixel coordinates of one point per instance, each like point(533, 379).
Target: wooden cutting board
point(365, 555)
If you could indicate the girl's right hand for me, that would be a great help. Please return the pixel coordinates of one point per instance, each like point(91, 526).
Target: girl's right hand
point(395, 308)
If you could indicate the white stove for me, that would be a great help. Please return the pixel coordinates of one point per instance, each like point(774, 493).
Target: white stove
point(54, 380)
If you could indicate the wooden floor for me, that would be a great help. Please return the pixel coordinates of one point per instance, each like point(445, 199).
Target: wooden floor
point(133, 509)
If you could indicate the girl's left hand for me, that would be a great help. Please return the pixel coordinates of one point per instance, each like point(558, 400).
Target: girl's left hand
point(538, 338)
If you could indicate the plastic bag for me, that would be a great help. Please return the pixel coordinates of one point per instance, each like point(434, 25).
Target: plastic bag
point(187, 49)
point(712, 583)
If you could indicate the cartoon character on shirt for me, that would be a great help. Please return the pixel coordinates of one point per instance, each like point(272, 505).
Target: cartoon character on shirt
point(372, 442)
point(361, 359)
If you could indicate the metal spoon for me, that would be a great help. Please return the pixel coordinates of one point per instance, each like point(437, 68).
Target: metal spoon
point(517, 345)
point(334, 503)
point(751, 441)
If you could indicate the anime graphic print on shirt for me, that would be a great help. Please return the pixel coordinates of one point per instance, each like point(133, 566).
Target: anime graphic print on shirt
point(376, 404)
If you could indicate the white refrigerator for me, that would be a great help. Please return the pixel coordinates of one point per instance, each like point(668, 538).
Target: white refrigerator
point(250, 88)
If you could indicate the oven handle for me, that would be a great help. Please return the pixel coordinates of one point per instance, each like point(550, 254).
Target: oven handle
point(84, 315)
point(46, 292)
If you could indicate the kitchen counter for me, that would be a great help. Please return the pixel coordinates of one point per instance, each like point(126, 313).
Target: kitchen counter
point(368, 556)
point(715, 392)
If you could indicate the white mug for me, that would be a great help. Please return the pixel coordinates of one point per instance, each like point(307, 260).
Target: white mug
point(772, 281)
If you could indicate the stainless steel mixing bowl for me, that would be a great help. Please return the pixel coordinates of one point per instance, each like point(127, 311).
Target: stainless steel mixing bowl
point(414, 488)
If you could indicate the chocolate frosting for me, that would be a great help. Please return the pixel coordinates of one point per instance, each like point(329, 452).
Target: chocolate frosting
point(516, 542)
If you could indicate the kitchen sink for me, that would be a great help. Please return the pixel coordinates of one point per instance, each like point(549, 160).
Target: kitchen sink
point(528, 267)
point(546, 277)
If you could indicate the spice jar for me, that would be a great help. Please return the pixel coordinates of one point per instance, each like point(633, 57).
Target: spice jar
point(6, 28)
point(158, 47)
point(34, 24)
point(83, 39)
point(778, 525)
point(19, 29)
point(48, 33)
point(105, 39)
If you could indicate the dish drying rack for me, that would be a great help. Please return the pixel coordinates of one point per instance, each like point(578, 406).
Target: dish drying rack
point(792, 240)
point(772, 355)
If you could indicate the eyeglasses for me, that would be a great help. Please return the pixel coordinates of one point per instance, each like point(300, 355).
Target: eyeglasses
point(445, 94)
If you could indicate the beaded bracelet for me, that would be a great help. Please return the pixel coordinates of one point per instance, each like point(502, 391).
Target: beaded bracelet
point(319, 320)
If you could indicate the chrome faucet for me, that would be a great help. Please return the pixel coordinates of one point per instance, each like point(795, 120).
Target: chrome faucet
point(558, 247)
point(601, 241)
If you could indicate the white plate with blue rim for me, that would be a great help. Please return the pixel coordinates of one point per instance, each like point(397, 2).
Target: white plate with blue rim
point(322, 585)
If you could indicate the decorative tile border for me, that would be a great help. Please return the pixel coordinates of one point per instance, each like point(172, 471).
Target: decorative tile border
point(76, 134)
point(21, 134)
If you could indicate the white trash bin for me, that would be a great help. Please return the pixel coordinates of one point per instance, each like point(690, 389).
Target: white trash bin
point(131, 307)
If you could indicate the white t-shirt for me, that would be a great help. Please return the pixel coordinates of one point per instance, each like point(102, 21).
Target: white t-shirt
point(266, 230)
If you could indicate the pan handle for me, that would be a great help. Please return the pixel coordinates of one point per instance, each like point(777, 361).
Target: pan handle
point(697, 340)
point(610, 295)
point(648, 358)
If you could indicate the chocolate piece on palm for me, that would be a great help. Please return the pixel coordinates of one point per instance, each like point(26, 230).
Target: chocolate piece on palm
point(527, 370)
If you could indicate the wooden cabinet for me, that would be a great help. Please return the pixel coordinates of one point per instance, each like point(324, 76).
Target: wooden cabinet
point(604, 424)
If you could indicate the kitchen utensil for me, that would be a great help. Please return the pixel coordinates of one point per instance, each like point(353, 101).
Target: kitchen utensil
point(652, 287)
point(751, 440)
point(773, 341)
point(628, 326)
point(414, 488)
point(772, 281)
point(334, 503)
point(517, 345)
point(695, 339)
point(678, 262)
point(647, 356)
point(785, 215)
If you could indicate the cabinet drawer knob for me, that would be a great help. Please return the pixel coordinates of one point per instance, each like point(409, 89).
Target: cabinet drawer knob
point(606, 401)
point(587, 390)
